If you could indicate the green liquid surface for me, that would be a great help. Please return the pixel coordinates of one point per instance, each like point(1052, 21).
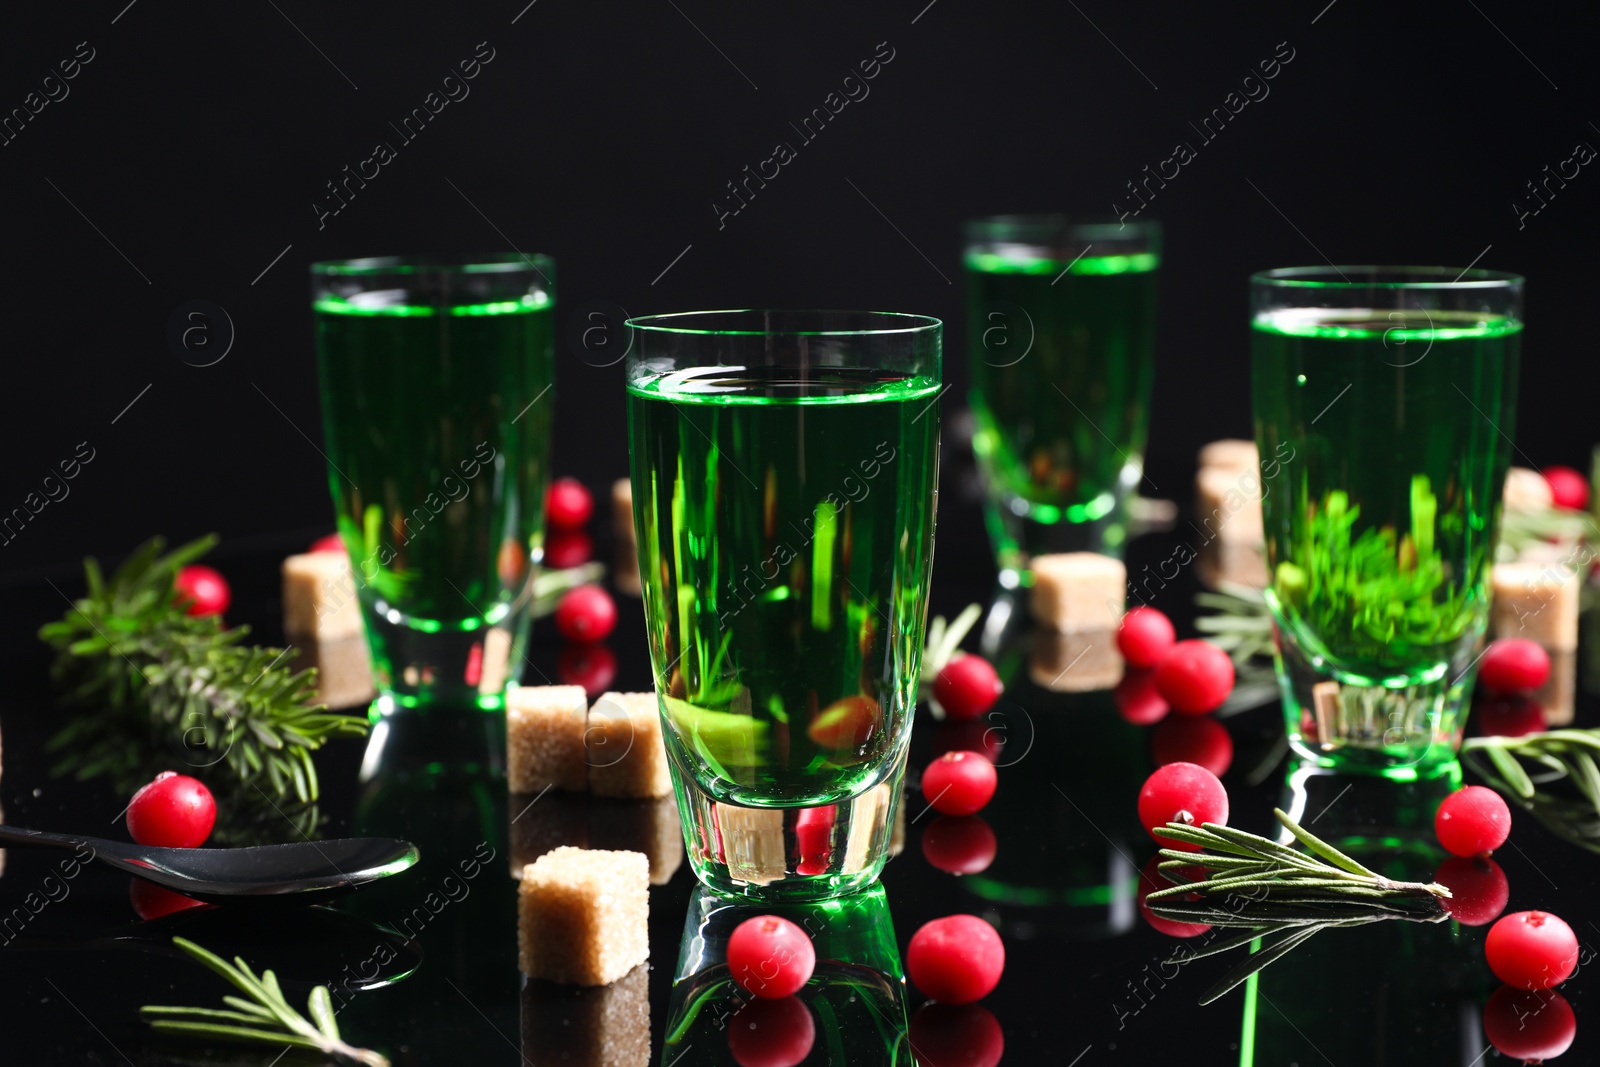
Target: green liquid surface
point(785, 530)
point(1384, 438)
point(1061, 358)
point(437, 427)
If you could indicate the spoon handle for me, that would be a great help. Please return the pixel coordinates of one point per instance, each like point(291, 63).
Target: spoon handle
point(17, 837)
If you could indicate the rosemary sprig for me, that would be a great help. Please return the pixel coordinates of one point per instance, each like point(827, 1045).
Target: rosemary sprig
point(1275, 891)
point(1521, 530)
point(945, 639)
point(264, 1018)
point(1240, 623)
point(1573, 755)
point(132, 654)
point(1243, 864)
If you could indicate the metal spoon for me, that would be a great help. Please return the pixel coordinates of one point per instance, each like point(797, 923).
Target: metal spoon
point(301, 873)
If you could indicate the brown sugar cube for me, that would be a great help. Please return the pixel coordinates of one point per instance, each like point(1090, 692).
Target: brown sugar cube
point(1325, 710)
point(543, 822)
point(869, 824)
point(544, 737)
point(627, 757)
point(1228, 505)
point(1078, 591)
point(319, 597)
point(1559, 695)
point(752, 842)
point(622, 509)
point(1526, 491)
point(495, 666)
point(1075, 663)
point(625, 575)
point(583, 915)
point(608, 1026)
point(1219, 562)
point(322, 619)
point(1230, 454)
point(344, 669)
point(648, 826)
point(1538, 601)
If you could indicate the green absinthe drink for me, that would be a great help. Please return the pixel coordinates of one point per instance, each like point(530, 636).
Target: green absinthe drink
point(1061, 336)
point(437, 407)
point(1392, 392)
point(784, 469)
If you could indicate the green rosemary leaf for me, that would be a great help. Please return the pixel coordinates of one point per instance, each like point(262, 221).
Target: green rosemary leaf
point(152, 1011)
point(1262, 846)
point(1586, 775)
point(1511, 770)
point(234, 1033)
point(321, 1006)
point(1322, 848)
point(248, 1006)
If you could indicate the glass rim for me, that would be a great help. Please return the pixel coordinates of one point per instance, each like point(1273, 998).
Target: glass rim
point(1383, 277)
point(492, 263)
point(912, 324)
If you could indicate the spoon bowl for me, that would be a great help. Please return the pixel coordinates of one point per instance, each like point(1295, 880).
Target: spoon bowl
point(303, 872)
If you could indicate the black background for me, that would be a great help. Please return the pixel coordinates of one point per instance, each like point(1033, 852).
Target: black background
point(190, 150)
point(199, 137)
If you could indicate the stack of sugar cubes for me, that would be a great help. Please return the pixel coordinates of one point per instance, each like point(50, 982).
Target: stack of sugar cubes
point(584, 912)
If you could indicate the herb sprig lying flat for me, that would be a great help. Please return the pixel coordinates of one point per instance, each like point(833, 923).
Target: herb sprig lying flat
point(265, 1018)
point(130, 653)
point(1274, 891)
point(1244, 864)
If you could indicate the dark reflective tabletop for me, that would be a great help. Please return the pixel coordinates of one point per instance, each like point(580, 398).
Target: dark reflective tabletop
point(424, 966)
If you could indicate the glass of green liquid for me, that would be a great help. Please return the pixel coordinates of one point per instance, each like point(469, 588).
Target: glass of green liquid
point(1384, 399)
point(436, 383)
point(1060, 343)
point(784, 476)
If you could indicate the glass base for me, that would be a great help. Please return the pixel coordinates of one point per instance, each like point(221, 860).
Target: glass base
point(1403, 728)
point(433, 740)
point(855, 1002)
point(414, 667)
point(1018, 536)
point(797, 854)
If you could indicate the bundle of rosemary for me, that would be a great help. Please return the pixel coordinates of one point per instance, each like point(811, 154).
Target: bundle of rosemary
point(144, 668)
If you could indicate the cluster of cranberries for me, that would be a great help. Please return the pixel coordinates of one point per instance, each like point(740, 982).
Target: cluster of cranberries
point(961, 781)
point(956, 961)
point(585, 616)
point(1166, 675)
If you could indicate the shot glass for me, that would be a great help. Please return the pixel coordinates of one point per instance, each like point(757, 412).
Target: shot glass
point(784, 469)
point(1384, 400)
point(437, 404)
point(1060, 345)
